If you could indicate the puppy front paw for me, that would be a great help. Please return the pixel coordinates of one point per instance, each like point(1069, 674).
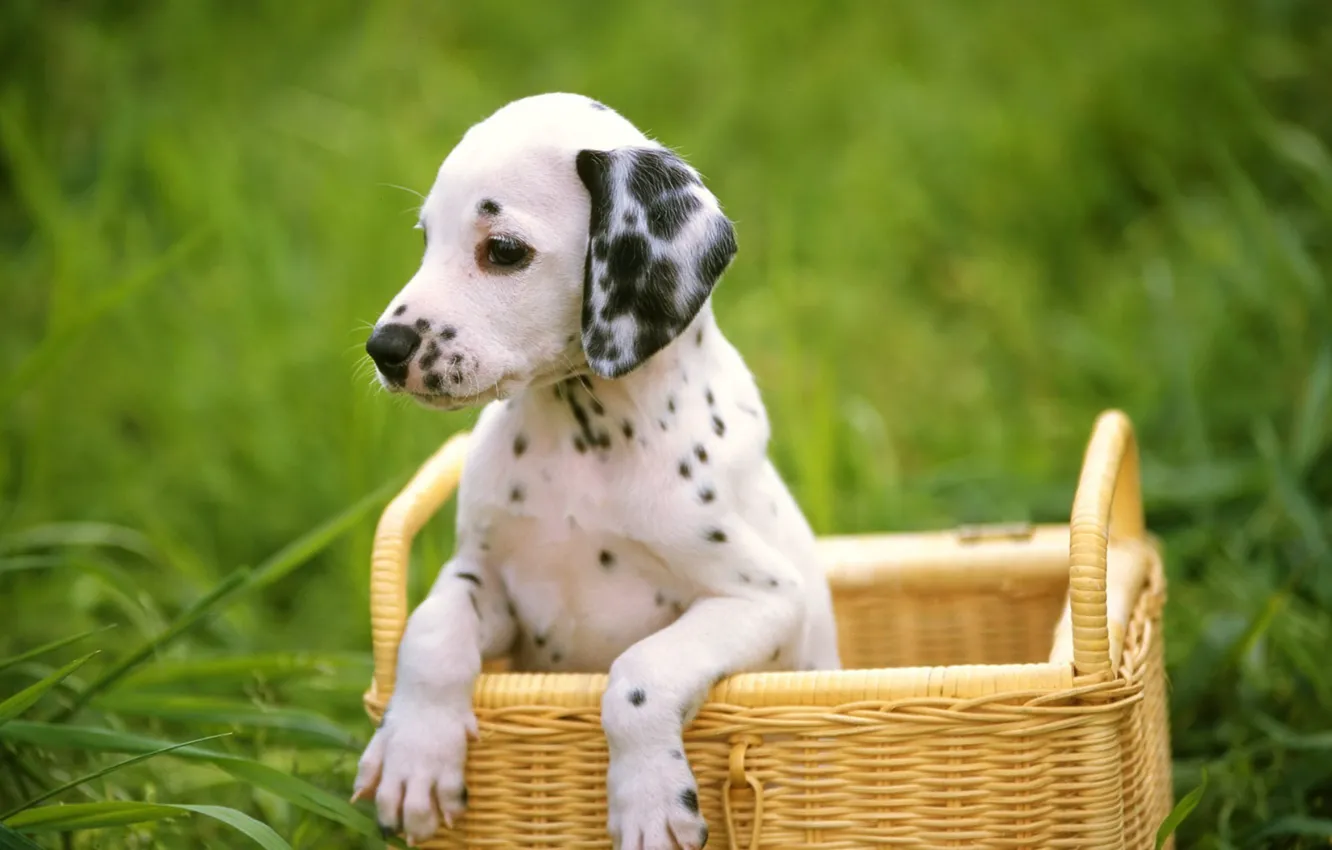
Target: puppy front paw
point(653, 804)
point(414, 767)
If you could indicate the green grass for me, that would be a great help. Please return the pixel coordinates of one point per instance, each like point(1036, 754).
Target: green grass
point(965, 229)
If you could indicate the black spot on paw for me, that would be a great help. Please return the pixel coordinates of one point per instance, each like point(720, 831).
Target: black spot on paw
point(539, 640)
point(519, 445)
point(627, 429)
point(701, 453)
point(706, 494)
point(718, 426)
point(689, 799)
point(580, 445)
point(516, 493)
point(707, 393)
point(472, 577)
point(685, 472)
point(606, 558)
point(659, 599)
point(776, 653)
point(556, 657)
point(597, 408)
point(670, 404)
point(716, 535)
point(488, 207)
point(677, 755)
point(772, 582)
point(637, 696)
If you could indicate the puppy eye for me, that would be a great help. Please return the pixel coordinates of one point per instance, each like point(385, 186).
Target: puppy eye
point(506, 252)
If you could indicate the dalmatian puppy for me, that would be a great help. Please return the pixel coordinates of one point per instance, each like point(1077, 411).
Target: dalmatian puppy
point(617, 509)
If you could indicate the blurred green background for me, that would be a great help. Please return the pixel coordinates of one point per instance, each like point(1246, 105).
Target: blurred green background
point(964, 229)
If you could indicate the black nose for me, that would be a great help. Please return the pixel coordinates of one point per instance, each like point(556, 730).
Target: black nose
point(390, 346)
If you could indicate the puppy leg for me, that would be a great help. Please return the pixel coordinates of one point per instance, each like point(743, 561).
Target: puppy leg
point(658, 684)
point(414, 763)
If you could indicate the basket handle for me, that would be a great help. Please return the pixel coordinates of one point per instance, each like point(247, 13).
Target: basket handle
point(1107, 505)
point(423, 496)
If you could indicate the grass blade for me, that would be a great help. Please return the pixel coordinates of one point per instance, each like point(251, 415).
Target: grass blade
point(230, 669)
point(261, 833)
point(26, 698)
point(183, 707)
point(74, 783)
point(305, 547)
point(293, 789)
point(60, 818)
point(1181, 811)
point(187, 619)
point(11, 840)
point(6, 663)
point(63, 818)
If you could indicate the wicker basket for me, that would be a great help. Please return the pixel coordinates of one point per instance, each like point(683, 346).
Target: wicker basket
point(970, 713)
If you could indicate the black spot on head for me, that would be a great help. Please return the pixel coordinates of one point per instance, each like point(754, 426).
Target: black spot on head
point(707, 494)
point(519, 445)
point(707, 394)
point(472, 577)
point(718, 426)
point(433, 381)
point(580, 445)
point(488, 207)
point(685, 471)
point(716, 535)
point(607, 558)
point(689, 799)
point(400, 309)
point(516, 493)
point(669, 214)
point(628, 429)
point(448, 332)
point(431, 355)
point(701, 453)
point(637, 696)
point(422, 325)
point(698, 337)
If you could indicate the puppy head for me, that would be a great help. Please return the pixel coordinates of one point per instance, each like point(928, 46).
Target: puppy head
point(558, 240)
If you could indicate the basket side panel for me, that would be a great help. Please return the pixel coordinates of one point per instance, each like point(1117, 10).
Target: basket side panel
point(1148, 787)
point(886, 627)
point(920, 773)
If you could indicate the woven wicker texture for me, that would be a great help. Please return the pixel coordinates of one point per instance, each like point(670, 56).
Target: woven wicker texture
point(970, 715)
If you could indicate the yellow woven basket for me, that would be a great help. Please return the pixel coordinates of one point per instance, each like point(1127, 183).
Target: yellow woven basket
point(1004, 687)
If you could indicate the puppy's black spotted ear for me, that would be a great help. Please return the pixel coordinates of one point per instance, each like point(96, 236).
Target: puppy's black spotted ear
point(657, 243)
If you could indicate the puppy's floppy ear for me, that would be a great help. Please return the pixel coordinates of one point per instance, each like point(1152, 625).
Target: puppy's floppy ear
point(657, 243)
